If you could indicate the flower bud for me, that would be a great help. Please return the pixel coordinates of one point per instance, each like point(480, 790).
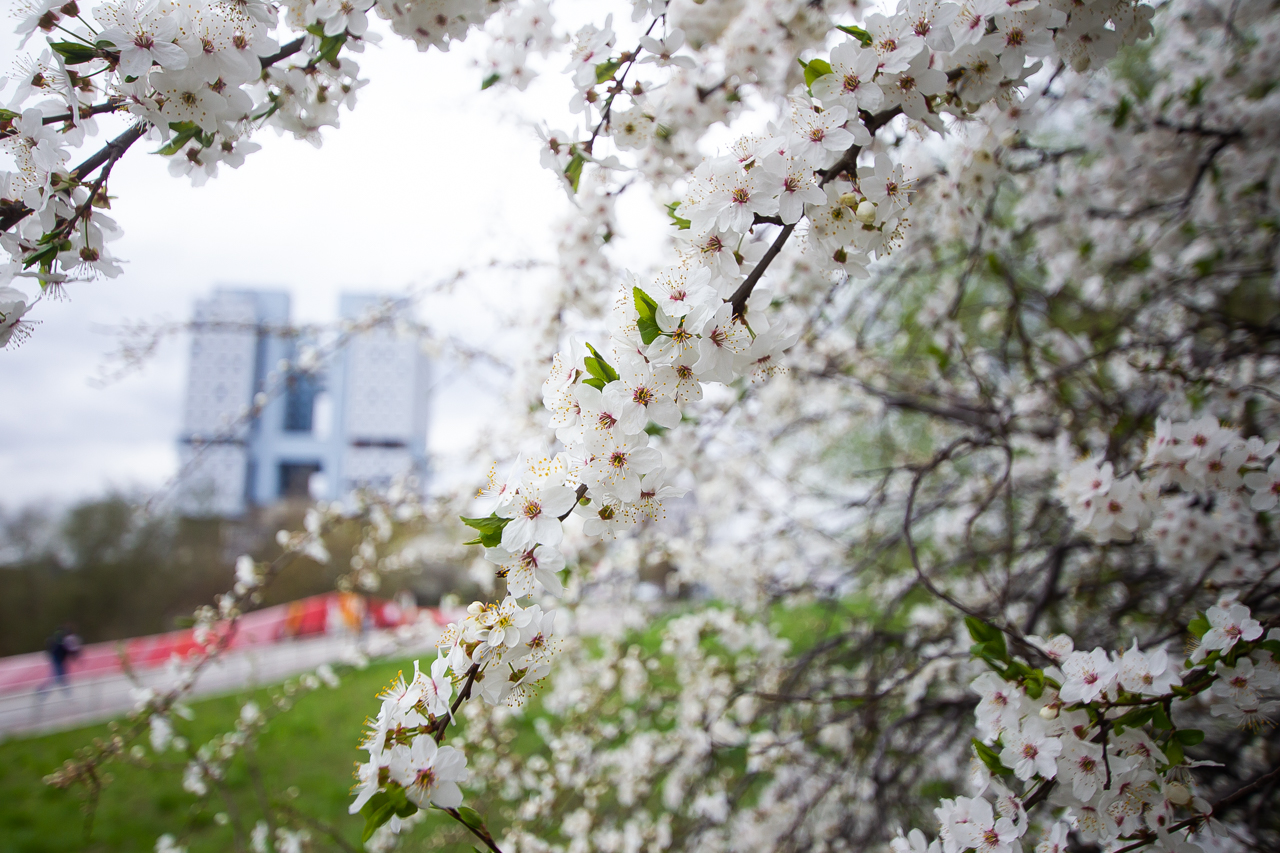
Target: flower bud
point(1177, 793)
point(866, 213)
point(1049, 712)
point(848, 199)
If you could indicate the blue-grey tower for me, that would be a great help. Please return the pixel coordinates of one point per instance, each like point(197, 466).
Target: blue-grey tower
point(359, 419)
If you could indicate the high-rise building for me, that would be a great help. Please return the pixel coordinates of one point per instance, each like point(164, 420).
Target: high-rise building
point(357, 420)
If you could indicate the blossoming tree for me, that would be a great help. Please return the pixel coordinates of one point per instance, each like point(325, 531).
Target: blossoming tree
point(964, 356)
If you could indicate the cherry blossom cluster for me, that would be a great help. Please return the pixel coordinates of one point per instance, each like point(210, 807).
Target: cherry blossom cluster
point(671, 337)
point(927, 60)
point(200, 78)
point(401, 746)
point(702, 319)
point(523, 30)
point(1211, 479)
point(1100, 737)
point(504, 650)
point(434, 23)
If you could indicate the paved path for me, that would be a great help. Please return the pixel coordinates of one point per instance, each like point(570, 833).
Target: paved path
point(90, 700)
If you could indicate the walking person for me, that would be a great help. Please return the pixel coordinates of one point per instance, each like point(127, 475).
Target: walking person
point(61, 647)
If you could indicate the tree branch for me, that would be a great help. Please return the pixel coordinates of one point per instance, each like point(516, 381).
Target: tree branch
point(847, 162)
point(11, 215)
point(478, 831)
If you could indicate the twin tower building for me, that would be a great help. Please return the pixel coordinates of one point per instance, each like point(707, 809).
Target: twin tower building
point(274, 412)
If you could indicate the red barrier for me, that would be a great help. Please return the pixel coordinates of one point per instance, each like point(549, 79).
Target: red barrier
point(332, 612)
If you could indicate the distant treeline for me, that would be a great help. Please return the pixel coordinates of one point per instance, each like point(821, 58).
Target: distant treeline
point(113, 572)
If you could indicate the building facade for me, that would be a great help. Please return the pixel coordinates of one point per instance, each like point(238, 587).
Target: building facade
point(357, 420)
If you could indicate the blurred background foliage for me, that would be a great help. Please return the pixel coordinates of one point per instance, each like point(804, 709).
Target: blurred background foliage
point(112, 570)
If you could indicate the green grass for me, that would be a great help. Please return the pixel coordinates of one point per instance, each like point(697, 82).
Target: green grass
point(311, 750)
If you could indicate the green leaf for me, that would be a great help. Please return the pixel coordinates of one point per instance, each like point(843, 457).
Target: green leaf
point(1189, 737)
point(183, 132)
point(471, 817)
point(597, 384)
point(857, 32)
point(990, 646)
point(1272, 646)
point(982, 632)
point(42, 257)
point(1159, 718)
point(330, 45)
point(599, 370)
point(598, 367)
point(681, 223)
point(814, 69)
point(1133, 719)
point(648, 311)
point(573, 171)
point(1122, 111)
point(939, 355)
point(1174, 752)
point(489, 81)
point(605, 69)
point(1018, 669)
point(376, 812)
point(989, 757)
point(1198, 626)
point(74, 52)
point(490, 530)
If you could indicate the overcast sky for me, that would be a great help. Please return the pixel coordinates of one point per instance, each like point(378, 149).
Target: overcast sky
point(426, 175)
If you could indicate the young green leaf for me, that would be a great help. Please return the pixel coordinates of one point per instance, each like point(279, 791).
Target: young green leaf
point(1133, 719)
point(490, 530)
point(573, 171)
point(681, 223)
point(648, 311)
point(75, 53)
point(605, 70)
point(989, 757)
point(329, 47)
point(814, 69)
point(858, 33)
point(376, 812)
point(979, 630)
point(599, 368)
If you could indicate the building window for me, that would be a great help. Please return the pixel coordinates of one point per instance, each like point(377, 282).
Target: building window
point(299, 402)
point(295, 478)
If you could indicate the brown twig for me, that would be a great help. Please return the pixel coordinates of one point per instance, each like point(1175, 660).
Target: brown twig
point(847, 162)
point(579, 495)
point(478, 831)
point(438, 727)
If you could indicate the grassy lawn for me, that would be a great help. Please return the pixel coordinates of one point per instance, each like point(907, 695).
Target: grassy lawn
point(305, 760)
point(309, 751)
